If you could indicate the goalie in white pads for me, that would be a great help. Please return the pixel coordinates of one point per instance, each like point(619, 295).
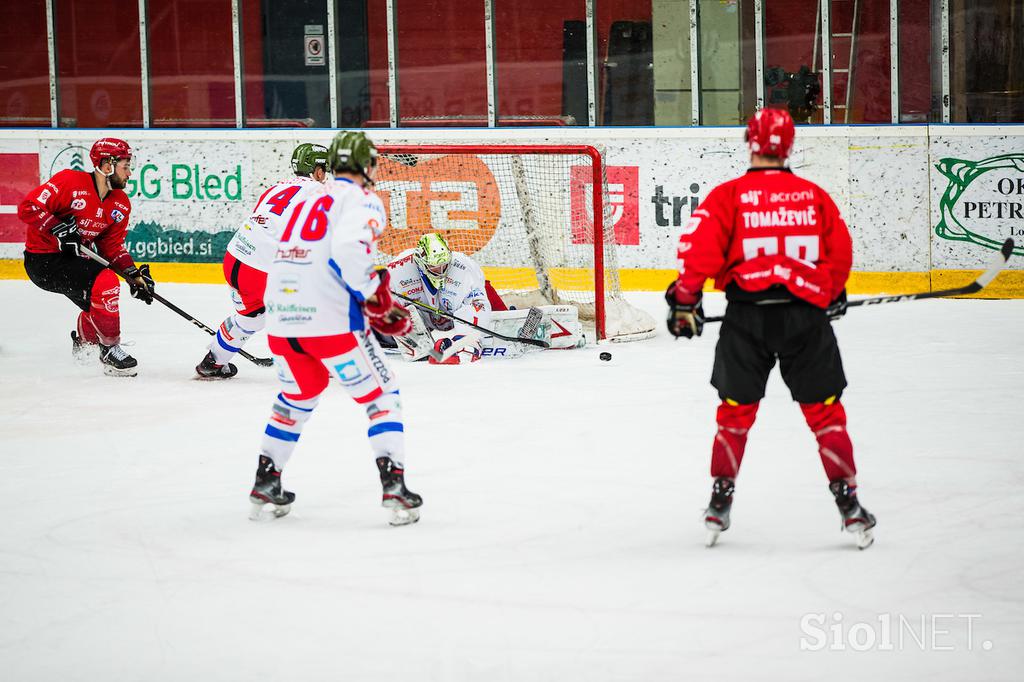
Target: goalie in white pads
point(436, 276)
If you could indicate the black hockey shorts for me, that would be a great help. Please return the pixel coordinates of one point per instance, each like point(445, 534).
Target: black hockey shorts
point(60, 274)
point(799, 335)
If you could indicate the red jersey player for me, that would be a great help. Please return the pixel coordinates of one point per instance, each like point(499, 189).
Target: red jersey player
point(776, 245)
point(74, 208)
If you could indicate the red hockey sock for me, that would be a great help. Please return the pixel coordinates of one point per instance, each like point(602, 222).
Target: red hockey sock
point(734, 421)
point(828, 422)
point(103, 309)
point(87, 329)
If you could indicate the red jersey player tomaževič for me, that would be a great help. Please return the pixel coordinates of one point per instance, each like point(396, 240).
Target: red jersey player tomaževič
point(76, 208)
point(776, 244)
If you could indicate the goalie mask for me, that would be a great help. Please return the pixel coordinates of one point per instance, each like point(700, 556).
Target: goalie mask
point(433, 257)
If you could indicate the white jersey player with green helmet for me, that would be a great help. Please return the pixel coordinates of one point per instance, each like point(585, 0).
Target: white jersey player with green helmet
point(323, 297)
point(250, 254)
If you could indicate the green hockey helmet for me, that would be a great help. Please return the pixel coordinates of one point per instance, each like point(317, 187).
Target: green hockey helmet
point(432, 257)
point(307, 157)
point(352, 152)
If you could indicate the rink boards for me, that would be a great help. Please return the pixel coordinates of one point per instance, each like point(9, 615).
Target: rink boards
point(926, 205)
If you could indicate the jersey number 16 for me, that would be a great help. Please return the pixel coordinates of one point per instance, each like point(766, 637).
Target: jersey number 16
point(315, 226)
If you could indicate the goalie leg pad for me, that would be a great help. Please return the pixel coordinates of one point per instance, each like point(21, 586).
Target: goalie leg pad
point(564, 327)
point(559, 325)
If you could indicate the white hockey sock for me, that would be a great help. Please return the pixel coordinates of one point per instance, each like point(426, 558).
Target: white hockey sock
point(232, 335)
point(387, 432)
point(285, 426)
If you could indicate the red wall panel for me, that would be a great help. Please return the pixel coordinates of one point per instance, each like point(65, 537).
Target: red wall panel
point(24, 65)
point(99, 64)
point(441, 54)
point(190, 63)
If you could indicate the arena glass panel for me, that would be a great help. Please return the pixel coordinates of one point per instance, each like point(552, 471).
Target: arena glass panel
point(860, 61)
point(284, 59)
point(442, 70)
point(792, 71)
point(24, 65)
point(918, 103)
point(625, 52)
point(541, 62)
point(99, 64)
point(191, 69)
point(986, 61)
point(728, 67)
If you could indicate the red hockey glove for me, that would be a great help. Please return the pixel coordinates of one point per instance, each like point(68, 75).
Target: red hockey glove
point(685, 313)
point(386, 316)
point(394, 322)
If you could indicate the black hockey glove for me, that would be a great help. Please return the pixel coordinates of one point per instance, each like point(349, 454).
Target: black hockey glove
point(837, 308)
point(68, 237)
point(141, 283)
point(684, 319)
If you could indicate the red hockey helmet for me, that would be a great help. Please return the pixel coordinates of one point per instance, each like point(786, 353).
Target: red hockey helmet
point(109, 148)
point(770, 132)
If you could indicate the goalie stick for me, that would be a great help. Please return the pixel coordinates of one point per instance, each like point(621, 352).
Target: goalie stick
point(983, 280)
point(262, 362)
point(444, 313)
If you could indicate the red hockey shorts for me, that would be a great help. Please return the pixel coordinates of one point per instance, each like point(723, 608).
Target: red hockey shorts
point(304, 365)
point(248, 284)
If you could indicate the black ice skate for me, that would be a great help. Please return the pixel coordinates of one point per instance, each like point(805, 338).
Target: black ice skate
point(856, 519)
point(716, 517)
point(83, 352)
point(267, 490)
point(209, 369)
point(402, 502)
point(117, 362)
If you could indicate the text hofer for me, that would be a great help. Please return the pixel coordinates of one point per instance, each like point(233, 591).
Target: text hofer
point(187, 182)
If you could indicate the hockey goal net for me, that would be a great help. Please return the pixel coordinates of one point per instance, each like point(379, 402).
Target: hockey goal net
point(524, 213)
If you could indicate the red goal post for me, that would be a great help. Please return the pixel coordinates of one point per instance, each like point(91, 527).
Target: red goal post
point(520, 211)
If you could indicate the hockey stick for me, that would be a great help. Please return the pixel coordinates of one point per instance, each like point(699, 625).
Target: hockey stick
point(444, 313)
point(983, 280)
point(262, 362)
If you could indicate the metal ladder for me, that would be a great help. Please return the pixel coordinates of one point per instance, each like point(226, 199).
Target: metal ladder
point(850, 64)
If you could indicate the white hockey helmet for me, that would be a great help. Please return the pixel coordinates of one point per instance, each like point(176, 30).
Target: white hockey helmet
point(432, 257)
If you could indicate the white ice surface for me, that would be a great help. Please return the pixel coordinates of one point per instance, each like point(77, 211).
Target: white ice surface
point(561, 535)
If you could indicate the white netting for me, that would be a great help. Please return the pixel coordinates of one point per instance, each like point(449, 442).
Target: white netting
point(525, 217)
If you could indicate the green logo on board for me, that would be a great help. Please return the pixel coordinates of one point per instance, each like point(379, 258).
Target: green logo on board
point(148, 241)
point(984, 201)
point(173, 182)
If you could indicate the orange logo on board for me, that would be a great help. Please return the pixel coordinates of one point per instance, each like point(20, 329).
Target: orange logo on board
point(457, 196)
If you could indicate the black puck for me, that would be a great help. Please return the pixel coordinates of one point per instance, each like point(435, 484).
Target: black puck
point(605, 355)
